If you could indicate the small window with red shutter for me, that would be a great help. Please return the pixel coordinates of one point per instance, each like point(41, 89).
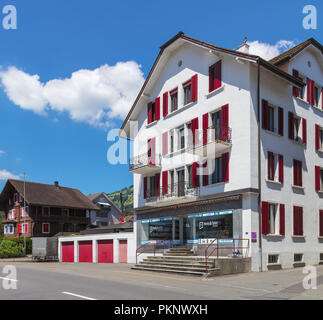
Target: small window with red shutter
point(215, 76)
point(297, 168)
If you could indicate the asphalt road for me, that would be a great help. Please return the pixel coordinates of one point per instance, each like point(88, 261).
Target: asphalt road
point(56, 281)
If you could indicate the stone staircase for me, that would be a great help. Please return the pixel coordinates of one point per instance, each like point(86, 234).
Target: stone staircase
point(178, 260)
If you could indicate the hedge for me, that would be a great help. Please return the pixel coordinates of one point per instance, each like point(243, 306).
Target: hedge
point(12, 248)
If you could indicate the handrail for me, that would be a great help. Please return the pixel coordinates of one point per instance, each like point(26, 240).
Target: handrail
point(138, 254)
point(234, 247)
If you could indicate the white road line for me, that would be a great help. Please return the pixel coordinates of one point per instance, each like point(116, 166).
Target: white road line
point(8, 279)
point(78, 296)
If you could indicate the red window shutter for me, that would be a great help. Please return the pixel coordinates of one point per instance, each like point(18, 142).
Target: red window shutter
point(265, 114)
point(296, 222)
point(205, 174)
point(195, 176)
point(304, 130)
point(322, 98)
point(157, 108)
point(194, 129)
point(295, 172)
point(308, 90)
point(205, 124)
point(270, 166)
point(317, 178)
point(295, 89)
point(158, 184)
point(149, 113)
point(280, 121)
point(300, 217)
point(165, 143)
point(165, 182)
point(225, 122)
point(165, 104)
point(194, 88)
point(281, 168)
point(26, 227)
point(145, 187)
point(291, 126)
point(321, 222)
point(317, 135)
point(151, 151)
point(19, 228)
point(264, 217)
point(225, 167)
point(282, 219)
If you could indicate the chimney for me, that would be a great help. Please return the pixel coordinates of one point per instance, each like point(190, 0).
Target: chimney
point(244, 47)
point(56, 184)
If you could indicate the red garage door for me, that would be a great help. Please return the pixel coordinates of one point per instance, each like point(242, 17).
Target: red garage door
point(105, 251)
point(85, 251)
point(67, 251)
point(123, 248)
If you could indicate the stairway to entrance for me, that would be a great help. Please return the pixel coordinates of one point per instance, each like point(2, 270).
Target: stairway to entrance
point(178, 260)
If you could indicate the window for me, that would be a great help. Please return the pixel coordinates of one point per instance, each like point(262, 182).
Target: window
point(24, 228)
point(301, 92)
point(171, 137)
point(24, 212)
point(271, 118)
point(298, 173)
point(152, 186)
point(296, 129)
point(46, 211)
point(187, 92)
point(46, 228)
point(321, 139)
point(215, 76)
point(321, 256)
point(216, 176)
point(181, 138)
point(11, 229)
point(298, 257)
point(189, 172)
point(273, 218)
point(174, 100)
point(217, 124)
point(153, 112)
point(172, 181)
point(275, 167)
point(316, 96)
point(298, 221)
point(273, 258)
point(318, 178)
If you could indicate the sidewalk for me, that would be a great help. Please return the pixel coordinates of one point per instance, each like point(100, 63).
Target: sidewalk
point(28, 258)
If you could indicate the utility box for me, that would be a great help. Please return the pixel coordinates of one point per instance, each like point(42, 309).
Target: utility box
point(45, 249)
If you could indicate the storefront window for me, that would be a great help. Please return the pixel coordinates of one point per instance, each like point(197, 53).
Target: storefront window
point(217, 225)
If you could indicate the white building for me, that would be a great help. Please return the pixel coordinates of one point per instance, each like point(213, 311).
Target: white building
point(227, 145)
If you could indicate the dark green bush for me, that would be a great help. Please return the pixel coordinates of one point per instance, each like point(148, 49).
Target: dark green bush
point(15, 242)
point(11, 249)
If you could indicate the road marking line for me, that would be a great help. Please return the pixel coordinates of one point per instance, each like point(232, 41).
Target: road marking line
point(8, 279)
point(78, 296)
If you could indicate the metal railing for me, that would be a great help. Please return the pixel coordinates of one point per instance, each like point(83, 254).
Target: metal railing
point(234, 247)
point(144, 159)
point(211, 134)
point(173, 191)
point(161, 243)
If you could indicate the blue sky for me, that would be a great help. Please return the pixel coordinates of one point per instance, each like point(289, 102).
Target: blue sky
point(56, 38)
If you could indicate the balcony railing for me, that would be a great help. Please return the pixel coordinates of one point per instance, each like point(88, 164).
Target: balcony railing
point(172, 192)
point(145, 163)
point(213, 139)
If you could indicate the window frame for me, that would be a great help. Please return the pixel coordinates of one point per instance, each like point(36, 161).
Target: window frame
point(43, 224)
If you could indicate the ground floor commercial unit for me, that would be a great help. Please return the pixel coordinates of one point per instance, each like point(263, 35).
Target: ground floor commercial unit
point(98, 248)
point(229, 226)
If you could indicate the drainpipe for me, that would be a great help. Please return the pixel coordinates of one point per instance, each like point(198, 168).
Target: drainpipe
point(259, 170)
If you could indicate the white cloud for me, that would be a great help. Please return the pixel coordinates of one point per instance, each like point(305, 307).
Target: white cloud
point(92, 96)
point(5, 175)
point(268, 51)
point(2, 153)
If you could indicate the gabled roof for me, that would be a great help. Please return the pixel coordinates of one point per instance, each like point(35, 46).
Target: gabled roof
point(252, 58)
point(48, 195)
point(93, 196)
point(287, 55)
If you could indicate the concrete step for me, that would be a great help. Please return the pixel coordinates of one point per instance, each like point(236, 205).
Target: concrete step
point(179, 254)
point(173, 270)
point(179, 258)
point(178, 261)
point(198, 264)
